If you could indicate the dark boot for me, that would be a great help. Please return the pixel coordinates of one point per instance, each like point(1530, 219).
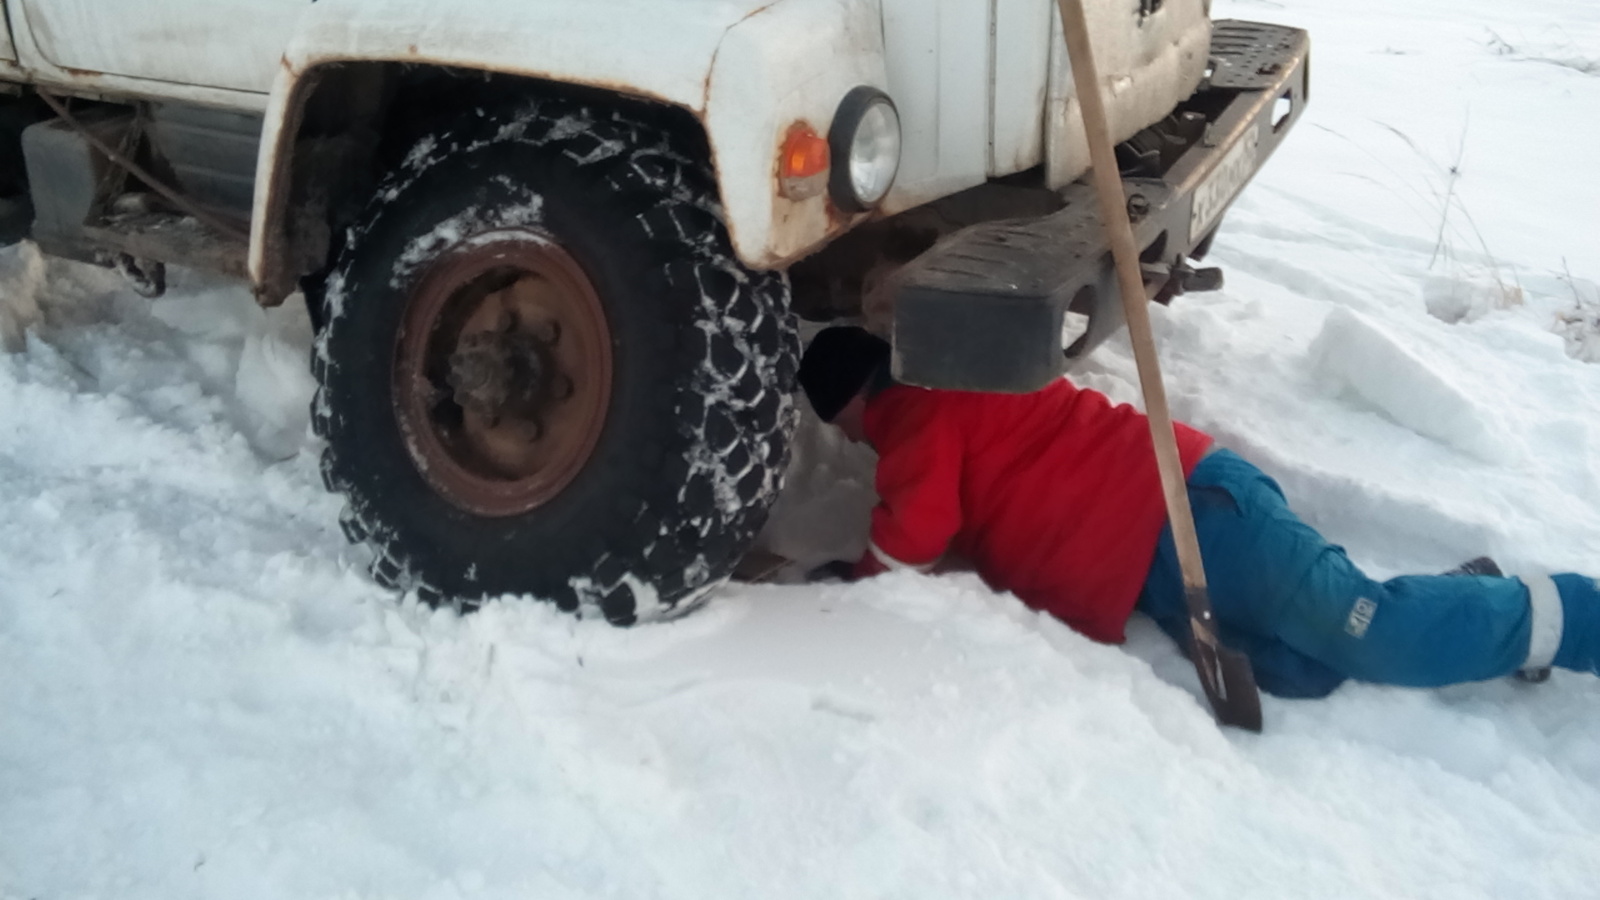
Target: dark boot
point(1482, 565)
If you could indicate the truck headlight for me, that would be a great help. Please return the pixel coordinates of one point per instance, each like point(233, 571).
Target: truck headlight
point(865, 146)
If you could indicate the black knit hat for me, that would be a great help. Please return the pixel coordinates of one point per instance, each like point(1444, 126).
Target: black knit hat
point(838, 364)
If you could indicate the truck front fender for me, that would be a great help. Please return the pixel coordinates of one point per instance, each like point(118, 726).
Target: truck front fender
point(747, 70)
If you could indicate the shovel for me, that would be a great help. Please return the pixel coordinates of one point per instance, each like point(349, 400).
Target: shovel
point(1225, 674)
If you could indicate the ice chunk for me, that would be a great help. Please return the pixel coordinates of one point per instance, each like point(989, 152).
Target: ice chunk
point(1356, 354)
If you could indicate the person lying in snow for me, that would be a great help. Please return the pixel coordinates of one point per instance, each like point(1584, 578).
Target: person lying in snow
point(1055, 497)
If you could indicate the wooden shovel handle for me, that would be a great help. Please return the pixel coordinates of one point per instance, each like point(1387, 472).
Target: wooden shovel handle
point(1135, 304)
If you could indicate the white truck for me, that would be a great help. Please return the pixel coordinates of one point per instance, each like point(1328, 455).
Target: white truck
point(556, 249)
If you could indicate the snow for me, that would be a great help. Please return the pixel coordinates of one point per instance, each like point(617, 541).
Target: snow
point(204, 697)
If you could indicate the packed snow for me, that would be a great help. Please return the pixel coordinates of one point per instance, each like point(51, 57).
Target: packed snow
point(202, 695)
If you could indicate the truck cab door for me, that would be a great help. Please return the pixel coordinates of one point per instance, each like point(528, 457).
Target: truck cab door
point(985, 90)
point(228, 44)
point(970, 78)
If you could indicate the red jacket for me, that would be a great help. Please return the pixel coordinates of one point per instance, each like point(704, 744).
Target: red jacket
point(1053, 495)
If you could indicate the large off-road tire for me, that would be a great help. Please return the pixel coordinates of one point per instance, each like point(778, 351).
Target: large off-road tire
point(543, 371)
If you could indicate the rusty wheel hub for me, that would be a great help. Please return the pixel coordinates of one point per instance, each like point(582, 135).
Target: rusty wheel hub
point(502, 373)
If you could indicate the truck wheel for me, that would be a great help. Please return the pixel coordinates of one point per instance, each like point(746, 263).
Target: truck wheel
point(544, 372)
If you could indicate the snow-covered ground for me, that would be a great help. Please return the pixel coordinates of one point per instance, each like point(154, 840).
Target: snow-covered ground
point(202, 696)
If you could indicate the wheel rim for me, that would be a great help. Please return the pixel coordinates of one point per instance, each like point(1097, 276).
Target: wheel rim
point(502, 373)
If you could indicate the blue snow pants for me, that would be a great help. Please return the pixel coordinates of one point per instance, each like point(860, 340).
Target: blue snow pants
point(1308, 618)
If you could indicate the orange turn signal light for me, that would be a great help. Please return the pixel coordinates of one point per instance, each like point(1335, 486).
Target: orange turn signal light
point(805, 153)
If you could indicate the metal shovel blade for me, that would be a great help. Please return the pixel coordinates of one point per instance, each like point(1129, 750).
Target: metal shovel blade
point(1228, 680)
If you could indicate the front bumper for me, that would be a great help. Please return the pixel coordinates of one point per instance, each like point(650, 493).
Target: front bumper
point(985, 308)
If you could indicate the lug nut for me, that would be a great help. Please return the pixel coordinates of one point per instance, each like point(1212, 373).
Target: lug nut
point(506, 322)
point(548, 332)
point(561, 387)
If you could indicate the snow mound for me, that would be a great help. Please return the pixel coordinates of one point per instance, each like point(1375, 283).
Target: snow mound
point(1469, 296)
point(256, 360)
point(22, 277)
point(1579, 325)
point(273, 386)
point(1355, 353)
point(822, 514)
